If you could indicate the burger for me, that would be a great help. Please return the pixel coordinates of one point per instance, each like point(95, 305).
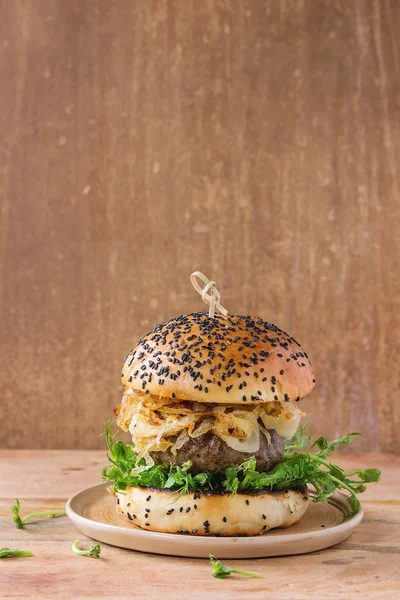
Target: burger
point(205, 398)
point(211, 404)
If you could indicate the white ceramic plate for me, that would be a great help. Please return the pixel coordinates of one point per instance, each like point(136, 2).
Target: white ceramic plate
point(94, 513)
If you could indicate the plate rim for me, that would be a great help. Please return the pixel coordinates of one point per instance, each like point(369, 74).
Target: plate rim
point(258, 540)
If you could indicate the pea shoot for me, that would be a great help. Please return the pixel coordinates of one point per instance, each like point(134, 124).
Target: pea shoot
point(93, 552)
point(219, 570)
point(20, 521)
point(13, 553)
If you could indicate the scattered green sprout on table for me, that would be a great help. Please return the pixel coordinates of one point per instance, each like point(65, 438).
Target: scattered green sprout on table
point(20, 521)
point(220, 570)
point(94, 550)
point(13, 553)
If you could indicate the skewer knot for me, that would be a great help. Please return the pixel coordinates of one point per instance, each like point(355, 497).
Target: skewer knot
point(209, 293)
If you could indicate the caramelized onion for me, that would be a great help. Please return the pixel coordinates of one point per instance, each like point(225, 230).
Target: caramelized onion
point(157, 424)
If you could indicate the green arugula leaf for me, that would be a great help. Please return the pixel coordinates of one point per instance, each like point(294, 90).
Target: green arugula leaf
point(20, 521)
point(219, 570)
point(94, 550)
point(13, 552)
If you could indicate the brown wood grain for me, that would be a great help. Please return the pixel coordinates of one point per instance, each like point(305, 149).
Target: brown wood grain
point(363, 566)
point(256, 140)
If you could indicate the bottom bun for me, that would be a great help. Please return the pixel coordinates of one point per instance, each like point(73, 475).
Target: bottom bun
point(212, 514)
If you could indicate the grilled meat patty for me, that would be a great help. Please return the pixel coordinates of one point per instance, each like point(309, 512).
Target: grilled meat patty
point(209, 453)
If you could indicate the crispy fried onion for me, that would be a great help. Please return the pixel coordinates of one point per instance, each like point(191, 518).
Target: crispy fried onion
point(157, 424)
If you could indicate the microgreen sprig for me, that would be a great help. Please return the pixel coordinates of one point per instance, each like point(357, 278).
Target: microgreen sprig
point(94, 550)
point(20, 521)
point(332, 477)
point(13, 553)
point(219, 570)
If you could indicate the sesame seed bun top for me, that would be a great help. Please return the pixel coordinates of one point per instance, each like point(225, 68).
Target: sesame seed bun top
point(225, 360)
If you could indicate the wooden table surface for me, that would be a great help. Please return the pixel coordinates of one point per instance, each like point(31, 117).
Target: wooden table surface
point(365, 566)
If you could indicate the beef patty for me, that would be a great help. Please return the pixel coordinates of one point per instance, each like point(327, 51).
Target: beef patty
point(209, 453)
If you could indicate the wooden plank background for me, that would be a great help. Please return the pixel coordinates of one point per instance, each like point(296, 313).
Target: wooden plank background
point(256, 140)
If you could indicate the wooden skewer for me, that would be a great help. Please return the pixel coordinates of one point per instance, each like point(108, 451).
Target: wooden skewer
point(208, 292)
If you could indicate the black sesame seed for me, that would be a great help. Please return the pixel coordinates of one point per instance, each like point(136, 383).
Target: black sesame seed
point(282, 372)
point(264, 517)
point(247, 502)
point(188, 509)
point(170, 511)
point(148, 498)
point(224, 519)
point(181, 509)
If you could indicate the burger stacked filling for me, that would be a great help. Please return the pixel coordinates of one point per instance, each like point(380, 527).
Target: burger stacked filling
point(212, 436)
